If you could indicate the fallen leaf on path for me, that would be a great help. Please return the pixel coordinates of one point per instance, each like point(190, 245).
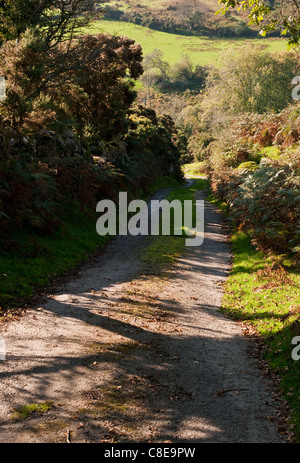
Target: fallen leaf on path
point(221, 392)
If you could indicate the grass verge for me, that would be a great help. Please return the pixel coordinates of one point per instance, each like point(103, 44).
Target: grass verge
point(30, 261)
point(263, 291)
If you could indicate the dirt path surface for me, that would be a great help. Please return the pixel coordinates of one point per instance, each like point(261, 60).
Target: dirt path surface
point(124, 355)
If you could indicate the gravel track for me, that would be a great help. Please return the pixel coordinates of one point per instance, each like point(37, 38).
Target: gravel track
point(125, 355)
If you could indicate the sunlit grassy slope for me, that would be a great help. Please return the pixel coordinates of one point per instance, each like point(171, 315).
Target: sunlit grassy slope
point(201, 50)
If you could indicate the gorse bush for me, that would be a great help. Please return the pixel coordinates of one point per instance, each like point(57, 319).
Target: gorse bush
point(69, 130)
point(154, 143)
point(80, 83)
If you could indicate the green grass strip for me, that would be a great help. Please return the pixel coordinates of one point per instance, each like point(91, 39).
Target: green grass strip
point(264, 292)
point(164, 250)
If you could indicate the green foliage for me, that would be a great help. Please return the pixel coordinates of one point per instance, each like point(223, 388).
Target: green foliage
point(188, 17)
point(83, 83)
point(17, 16)
point(57, 19)
point(28, 196)
point(254, 168)
point(264, 293)
point(180, 76)
point(198, 145)
point(251, 81)
point(154, 145)
point(24, 412)
point(194, 169)
point(70, 136)
point(250, 165)
point(25, 66)
point(184, 75)
point(287, 20)
point(268, 202)
point(103, 78)
point(155, 60)
point(265, 201)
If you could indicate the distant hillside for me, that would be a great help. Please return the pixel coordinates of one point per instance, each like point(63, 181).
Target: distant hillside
point(204, 51)
point(186, 17)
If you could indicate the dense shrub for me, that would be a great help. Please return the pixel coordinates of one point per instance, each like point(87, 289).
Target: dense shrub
point(268, 203)
point(186, 18)
point(154, 147)
point(265, 201)
point(29, 197)
point(68, 130)
point(254, 166)
point(251, 81)
point(81, 83)
point(182, 76)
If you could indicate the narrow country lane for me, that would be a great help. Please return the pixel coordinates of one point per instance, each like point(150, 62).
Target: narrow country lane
point(123, 355)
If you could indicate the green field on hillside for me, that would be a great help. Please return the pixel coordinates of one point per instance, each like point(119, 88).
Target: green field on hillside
point(202, 50)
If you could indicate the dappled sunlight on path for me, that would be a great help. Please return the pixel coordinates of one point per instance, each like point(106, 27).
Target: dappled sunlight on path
point(125, 354)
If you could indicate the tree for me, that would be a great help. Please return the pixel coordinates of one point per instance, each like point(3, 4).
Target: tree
point(185, 75)
point(150, 79)
point(251, 81)
point(182, 71)
point(103, 66)
point(86, 82)
point(286, 16)
point(155, 60)
point(196, 19)
point(58, 18)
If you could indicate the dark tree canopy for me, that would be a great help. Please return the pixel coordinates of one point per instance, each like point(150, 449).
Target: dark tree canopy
point(87, 81)
point(58, 18)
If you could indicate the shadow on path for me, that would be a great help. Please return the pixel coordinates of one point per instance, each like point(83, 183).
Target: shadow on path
point(195, 384)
